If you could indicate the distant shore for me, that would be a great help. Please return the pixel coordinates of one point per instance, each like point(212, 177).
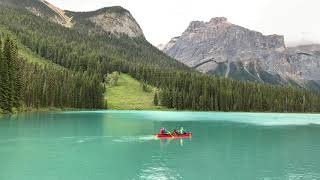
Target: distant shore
point(48, 109)
point(54, 109)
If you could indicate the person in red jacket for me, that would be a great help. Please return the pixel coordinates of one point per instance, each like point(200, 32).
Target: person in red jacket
point(164, 131)
point(161, 131)
point(175, 133)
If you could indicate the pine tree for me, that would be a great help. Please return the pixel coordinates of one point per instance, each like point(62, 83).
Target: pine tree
point(10, 76)
point(7, 76)
point(16, 79)
point(155, 99)
point(2, 79)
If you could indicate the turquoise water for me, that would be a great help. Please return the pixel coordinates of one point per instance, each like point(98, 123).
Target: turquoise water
point(120, 145)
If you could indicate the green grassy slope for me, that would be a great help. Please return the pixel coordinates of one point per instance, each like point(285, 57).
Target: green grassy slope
point(31, 57)
point(128, 95)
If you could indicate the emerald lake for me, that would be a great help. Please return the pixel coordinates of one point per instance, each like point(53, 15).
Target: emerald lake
point(120, 145)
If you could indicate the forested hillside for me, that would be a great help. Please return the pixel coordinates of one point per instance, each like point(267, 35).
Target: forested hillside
point(79, 51)
point(31, 84)
point(88, 58)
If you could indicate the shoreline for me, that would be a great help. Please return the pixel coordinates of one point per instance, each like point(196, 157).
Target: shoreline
point(54, 109)
point(191, 111)
point(48, 109)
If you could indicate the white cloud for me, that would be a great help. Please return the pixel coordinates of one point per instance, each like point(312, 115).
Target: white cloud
point(298, 20)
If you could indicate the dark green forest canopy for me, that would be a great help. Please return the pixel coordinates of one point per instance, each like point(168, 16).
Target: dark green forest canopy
point(9, 75)
point(95, 55)
point(35, 86)
point(48, 87)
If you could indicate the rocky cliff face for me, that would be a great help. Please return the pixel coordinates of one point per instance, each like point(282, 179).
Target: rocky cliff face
point(40, 8)
point(118, 23)
point(222, 48)
point(59, 16)
point(305, 60)
point(170, 44)
point(115, 20)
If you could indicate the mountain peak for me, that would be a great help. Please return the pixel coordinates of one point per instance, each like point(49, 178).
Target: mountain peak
point(116, 9)
point(218, 20)
point(214, 23)
point(222, 48)
point(115, 20)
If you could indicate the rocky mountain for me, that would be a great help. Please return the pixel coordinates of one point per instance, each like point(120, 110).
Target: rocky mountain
point(115, 20)
point(166, 47)
point(225, 49)
point(305, 61)
point(41, 8)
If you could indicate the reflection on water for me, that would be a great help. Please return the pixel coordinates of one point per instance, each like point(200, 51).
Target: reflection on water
point(178, 141)
point(127, 139)
point(122, 145)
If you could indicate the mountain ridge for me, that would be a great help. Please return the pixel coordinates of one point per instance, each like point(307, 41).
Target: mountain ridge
point(115, 20)
point(221, 48)
point(67, 20)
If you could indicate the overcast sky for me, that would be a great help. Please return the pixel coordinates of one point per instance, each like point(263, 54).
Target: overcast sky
point(297, 20)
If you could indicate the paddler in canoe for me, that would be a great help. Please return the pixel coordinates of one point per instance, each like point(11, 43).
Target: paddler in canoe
point(164, 131)
point(176, 134)
point(182, 131)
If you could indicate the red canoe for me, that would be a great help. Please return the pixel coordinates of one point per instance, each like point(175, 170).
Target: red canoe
point(174, 136)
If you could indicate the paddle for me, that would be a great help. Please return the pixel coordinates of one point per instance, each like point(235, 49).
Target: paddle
point(169, 133)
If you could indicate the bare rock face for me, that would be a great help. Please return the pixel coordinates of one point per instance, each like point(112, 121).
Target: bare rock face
point(305, 60)
point(117, 23)
point(41, 8)
point(169, 45)
point(60, 16)
point(222, 48)
point(115, 20)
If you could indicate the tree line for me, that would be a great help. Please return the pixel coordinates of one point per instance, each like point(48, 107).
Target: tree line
point(49, 87)
point(194, 91)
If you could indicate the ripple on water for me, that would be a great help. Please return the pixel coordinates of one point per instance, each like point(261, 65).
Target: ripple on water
point(126, 139)
point(157, 169)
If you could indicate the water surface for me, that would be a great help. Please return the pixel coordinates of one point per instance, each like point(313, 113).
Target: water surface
point(120, 145)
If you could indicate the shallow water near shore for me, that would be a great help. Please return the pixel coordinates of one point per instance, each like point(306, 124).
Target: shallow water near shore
point(121, 145)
